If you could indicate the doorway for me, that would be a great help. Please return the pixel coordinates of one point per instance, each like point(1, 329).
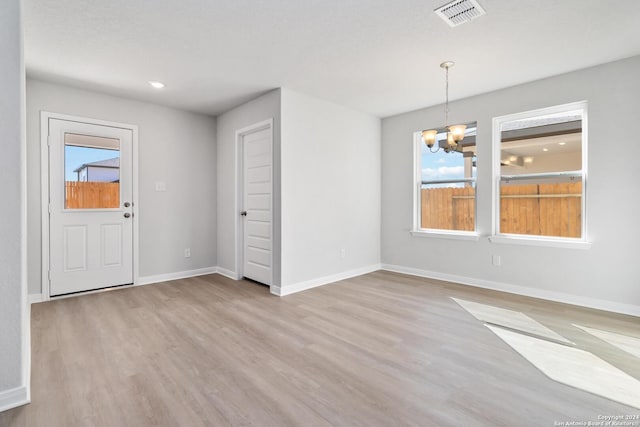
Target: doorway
point(255, 154)
point(88, 204)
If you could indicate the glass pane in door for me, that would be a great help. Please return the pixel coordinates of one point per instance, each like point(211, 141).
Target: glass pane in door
point(92, 172)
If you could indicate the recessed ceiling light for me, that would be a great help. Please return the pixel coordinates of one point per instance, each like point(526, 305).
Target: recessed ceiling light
point(545, 149)
point(157, 85)
point(562, 143)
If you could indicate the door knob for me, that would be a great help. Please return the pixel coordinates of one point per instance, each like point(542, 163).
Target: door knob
point(127, 214)
point(127, 204)
point(243, 213)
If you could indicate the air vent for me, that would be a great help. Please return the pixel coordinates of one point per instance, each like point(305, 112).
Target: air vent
point(459, 12)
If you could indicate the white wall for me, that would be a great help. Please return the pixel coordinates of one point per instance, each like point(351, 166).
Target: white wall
point(99, 174)
point(175, 147)
point(14, 321)
point(263, 108)
point(605, 275)
point(330, 196)
point(326, 188)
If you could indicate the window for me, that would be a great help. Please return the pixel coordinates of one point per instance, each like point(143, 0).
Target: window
point(92, 172)
point(446, 184)
point(539, 168)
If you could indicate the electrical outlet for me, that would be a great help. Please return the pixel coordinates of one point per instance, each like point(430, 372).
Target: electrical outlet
point(187, 253)
point(343, 253)
point(495, 260)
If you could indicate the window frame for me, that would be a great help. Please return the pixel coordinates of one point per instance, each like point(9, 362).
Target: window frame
point(416, 230)
point(536, 240)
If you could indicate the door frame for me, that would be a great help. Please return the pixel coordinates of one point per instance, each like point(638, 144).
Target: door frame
point(239, 193)
point(45, 116)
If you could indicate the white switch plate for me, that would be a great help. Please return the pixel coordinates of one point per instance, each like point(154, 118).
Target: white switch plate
point(496, 260)
point(161, 186)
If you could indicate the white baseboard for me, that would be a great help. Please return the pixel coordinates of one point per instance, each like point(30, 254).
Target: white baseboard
point(228, 273)
point(147, 280)
point(13, 398)
point(599, 304)
point(308, 284)
point(26, 356)
point(35, 298)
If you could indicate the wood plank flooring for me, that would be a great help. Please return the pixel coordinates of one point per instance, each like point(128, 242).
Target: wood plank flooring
point(383, 349)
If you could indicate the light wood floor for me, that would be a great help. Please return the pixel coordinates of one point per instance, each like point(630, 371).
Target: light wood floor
point(382, 349)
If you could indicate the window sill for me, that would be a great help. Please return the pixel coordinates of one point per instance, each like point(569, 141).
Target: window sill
point(537, 241)
point(442, 234)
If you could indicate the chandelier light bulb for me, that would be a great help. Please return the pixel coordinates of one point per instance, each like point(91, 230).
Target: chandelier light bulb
point(451, 140)
point(457, 131)
point(429, 137)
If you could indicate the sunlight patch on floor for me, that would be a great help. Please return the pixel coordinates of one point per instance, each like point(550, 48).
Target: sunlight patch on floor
point(624, 342)
point(509, 319)
point(574, 367)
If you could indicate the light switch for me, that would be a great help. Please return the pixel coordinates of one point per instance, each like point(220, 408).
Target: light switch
point(160, 186)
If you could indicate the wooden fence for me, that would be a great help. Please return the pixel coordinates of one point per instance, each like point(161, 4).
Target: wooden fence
point(533, 209)
point(449, 208)
point(92, 195)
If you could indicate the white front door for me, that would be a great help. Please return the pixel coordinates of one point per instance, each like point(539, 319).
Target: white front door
point(257, 205)
point(90, 206)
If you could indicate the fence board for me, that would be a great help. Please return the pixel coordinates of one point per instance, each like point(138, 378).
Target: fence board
point(448, 208)
point(532, 209)
point(92, 195)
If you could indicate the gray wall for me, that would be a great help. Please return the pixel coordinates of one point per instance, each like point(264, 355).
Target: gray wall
point(609, 270)
point(13, 308)
point(175, 147)
point(263, 108)
point(330, 189)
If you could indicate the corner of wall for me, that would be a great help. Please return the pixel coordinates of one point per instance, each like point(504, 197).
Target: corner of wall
point(320, 281)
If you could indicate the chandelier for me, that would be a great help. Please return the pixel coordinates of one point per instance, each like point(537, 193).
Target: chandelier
point(455, 133)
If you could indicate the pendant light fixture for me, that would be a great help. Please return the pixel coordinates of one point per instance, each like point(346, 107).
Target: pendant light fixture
point(455, 133)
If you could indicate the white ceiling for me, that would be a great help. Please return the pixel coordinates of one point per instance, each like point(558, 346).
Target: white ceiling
point(377, 56)
point(536, 147)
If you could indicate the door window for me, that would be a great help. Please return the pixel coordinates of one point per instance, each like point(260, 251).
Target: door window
point(92, 172)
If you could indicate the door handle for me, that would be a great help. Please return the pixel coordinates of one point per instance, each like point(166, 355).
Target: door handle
point(243, 213)
point(127, 214)
point(127, 204)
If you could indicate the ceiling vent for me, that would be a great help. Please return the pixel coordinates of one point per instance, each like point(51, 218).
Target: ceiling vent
point(459, 12)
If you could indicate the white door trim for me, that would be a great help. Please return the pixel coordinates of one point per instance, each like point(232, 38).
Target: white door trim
point(239, 186)
point(44, 189)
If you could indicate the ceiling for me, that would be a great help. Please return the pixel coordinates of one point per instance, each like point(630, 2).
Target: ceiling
point(376, 56)
point(544, 146)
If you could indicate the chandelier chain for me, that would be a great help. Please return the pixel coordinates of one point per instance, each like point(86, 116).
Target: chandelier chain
point(454, 134)
point(446, 105)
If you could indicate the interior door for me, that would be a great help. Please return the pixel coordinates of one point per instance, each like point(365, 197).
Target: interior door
point(90, 207)
point(257, 203)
